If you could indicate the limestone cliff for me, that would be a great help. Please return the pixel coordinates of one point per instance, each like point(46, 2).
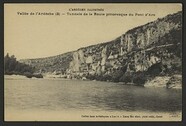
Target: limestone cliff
point(154, 48)
point(138, 49)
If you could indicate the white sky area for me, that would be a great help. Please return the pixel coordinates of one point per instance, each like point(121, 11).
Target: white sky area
point(31, 36)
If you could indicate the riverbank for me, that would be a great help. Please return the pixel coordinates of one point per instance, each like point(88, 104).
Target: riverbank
point(14, 76)
point(169, 82)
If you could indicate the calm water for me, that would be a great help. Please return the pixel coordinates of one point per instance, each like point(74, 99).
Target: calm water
point(47, 94)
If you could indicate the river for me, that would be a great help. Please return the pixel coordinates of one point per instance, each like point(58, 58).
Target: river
point(30, 98)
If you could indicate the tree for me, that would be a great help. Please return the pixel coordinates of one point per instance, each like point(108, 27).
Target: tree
point(6, 62)
point(12, 66)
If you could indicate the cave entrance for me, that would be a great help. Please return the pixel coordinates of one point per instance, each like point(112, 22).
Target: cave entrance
point(155, 69)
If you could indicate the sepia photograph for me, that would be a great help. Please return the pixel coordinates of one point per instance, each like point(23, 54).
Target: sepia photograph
point(93, 62)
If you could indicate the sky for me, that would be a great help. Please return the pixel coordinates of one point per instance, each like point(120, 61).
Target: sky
point(36, 36)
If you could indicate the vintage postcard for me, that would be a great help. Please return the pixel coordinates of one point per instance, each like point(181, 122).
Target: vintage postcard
point(93, 62)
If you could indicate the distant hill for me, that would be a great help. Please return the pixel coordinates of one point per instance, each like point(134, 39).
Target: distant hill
point(50, 64)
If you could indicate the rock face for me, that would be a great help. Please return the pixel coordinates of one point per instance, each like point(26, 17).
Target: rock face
point(169, 82)
point(159, 81)
point(148, 48)
point(175, 82)
point(139, 48)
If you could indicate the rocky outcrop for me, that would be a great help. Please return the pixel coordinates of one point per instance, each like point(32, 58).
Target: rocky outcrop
point(169, 82)
point(154, 48)
point(159, 81)
point(175, 82)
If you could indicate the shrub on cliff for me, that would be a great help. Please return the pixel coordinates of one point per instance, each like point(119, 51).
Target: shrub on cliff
point(91, 77)
point(30, 75)
point(27, 74)
point(125, 78)
point(139, 78)
point(106, 78)
point(116, 75)
point(38, 75)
